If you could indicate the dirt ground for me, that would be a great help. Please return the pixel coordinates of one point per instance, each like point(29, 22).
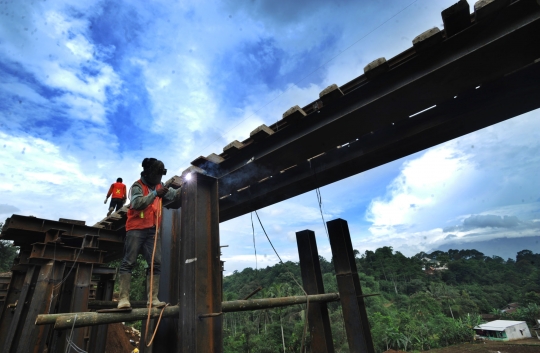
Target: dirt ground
point(530, 345)
point(118, 337)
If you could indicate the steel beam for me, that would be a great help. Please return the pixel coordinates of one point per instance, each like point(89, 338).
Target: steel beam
point(79, 301)
point(4, 287)
point(200, 270)
point(98, 336)
point(350, 290)
point(32, 338)
point(478, 55)
point(64, 253)
point(32, 229)
point(310, 267)
point(15, 304)
point(167, 334)
point(493, 102)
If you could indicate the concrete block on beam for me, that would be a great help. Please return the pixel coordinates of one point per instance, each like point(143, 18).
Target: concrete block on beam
point(427, 39)
point(330, 94)
point(233, 147)
point(485, 8)
point(261, 132)
point(215, 158)
point(456, 18)
point(376, 68)
point(211, 159)
point(293, 114)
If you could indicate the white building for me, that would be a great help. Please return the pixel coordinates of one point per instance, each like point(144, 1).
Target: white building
point(503, 330)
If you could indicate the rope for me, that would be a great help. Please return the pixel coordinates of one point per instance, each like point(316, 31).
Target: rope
point(69, 340)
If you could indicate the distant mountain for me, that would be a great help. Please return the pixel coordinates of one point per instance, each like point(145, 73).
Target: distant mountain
point(503, 247)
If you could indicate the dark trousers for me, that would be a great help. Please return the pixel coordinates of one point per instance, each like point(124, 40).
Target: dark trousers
point(141, 241)
point(116, 203)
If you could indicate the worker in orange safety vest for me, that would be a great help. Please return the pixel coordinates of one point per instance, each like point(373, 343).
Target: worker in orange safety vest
point(118, 193)
point(143, 216)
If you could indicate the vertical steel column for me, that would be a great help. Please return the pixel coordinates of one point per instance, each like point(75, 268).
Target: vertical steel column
point(151, 328)
point(201, 321)
point(16, 285)
point(98, 336)
point(20, 309)
point(79, 301)
point(167, 334)
point(310, 267)
point(33, 338)
point(353, 306)
point(57, 339)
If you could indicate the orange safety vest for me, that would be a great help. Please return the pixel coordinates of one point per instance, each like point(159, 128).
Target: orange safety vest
point(142, 219)
point(118, 191)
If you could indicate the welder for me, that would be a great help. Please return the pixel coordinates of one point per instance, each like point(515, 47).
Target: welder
point(118, 193)
point(144, 215)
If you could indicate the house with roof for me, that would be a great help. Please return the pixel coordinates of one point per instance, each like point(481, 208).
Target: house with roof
point(503, 330)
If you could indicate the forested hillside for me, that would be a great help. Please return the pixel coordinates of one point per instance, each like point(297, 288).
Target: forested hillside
point(422, 304)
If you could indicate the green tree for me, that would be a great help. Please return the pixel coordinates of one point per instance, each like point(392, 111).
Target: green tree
point(8, 252)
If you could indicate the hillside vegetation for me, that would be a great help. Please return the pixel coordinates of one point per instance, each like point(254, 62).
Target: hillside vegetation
point(419, 308)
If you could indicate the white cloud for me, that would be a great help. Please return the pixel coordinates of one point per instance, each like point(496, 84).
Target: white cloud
point(425, 182)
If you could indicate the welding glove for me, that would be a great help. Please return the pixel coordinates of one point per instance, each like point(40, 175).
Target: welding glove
point(161, 192)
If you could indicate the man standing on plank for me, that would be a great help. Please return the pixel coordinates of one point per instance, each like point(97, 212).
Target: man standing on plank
point(144, 215)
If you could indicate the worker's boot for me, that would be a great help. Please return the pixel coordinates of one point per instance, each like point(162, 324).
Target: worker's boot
point(156, 303)
point(110, 211)
point(124, 281)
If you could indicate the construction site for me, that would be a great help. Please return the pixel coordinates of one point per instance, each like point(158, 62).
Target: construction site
point(482, 68)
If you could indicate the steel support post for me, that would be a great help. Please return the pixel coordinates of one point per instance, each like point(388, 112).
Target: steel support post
point(350, 291)
point(200, 319)
point(32, 338)
point(167, 334)
point(310, 267)
point(79, 302)
point(15, 305)
point(12, 296)
point(143, 342)
point(57, 340)
point(98, 336)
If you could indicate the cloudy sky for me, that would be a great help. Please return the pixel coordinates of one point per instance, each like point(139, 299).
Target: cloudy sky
point(90, 88)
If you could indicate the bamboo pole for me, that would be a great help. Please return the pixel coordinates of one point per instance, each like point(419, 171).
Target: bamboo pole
point(66, 320)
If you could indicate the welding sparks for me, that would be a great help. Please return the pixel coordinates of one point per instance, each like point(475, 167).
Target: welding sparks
point(188, 176)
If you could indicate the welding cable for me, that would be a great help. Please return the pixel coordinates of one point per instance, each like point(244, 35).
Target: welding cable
point(158, 215)
point(293, 278)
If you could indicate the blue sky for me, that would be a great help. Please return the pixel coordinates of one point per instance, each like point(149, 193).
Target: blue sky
point(90, 88)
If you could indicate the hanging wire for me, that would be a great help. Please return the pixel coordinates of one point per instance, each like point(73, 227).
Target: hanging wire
point(69, 340)
point(254, 247)
point(319, 198)
point(295, 281)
